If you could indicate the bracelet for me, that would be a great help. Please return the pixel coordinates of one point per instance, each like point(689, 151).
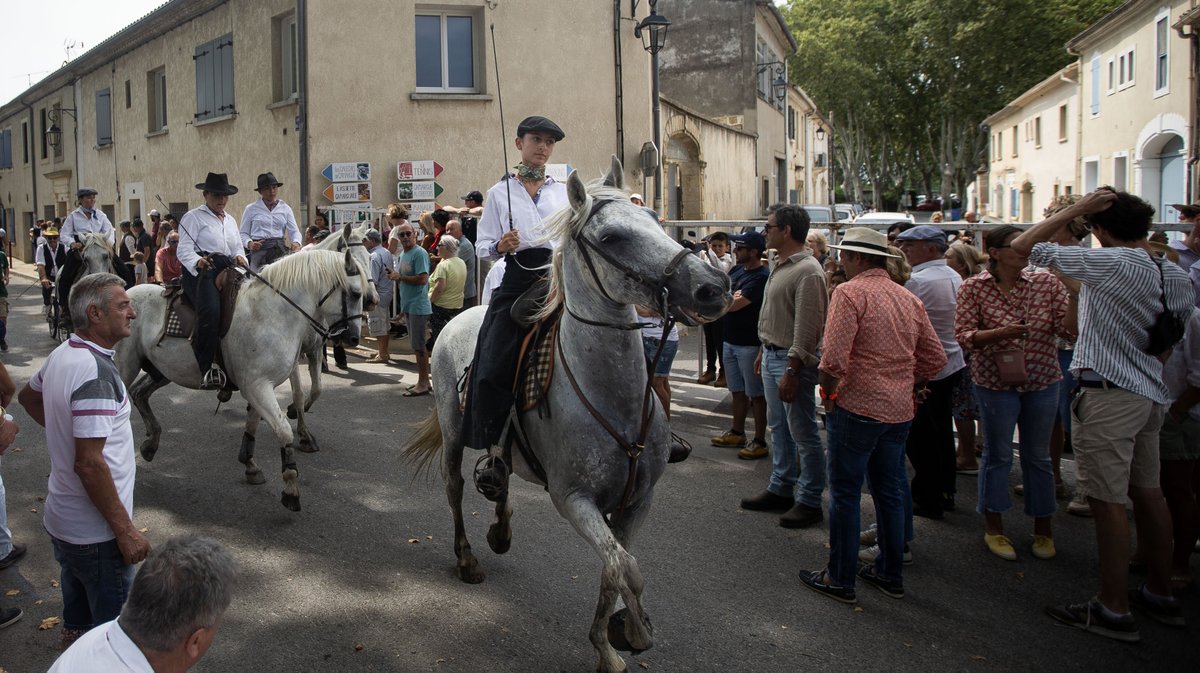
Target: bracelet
point(827, 397)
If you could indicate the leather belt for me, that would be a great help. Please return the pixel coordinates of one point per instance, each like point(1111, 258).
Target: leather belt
point(774, 348)
point(1101, 383)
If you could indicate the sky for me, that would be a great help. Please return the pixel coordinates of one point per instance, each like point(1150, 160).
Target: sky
point(41, 30)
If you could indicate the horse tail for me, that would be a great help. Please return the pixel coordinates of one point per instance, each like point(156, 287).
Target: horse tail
point(425, 444)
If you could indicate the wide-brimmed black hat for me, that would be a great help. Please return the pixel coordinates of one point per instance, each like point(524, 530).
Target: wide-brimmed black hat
point(267, 180)
point(218, 183)
point(539, 124)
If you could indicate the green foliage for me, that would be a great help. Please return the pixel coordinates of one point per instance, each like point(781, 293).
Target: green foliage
point(909, 81)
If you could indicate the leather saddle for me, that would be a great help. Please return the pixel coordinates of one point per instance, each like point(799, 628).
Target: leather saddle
point(181, 315)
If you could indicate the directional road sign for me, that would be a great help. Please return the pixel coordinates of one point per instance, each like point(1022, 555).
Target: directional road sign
point(415, 208)
point(347, 172)
point(418, 170)
point(407, 191)
point(348, 192)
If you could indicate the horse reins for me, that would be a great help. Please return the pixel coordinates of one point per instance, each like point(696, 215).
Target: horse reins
point(324, 332)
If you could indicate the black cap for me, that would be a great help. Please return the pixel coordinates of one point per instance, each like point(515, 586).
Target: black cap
point(539, 124)
point(475, 196)
point(85, 191)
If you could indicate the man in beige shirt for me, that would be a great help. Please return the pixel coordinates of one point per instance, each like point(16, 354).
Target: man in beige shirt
point(790, 327)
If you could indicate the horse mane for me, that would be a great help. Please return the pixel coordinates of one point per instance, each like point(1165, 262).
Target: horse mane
point(562, 228)
point(317, 268)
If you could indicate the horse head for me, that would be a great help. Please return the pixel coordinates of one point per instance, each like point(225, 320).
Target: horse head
point(97, 254)
point(620, 250)
point(350, 239)
point(335, 284)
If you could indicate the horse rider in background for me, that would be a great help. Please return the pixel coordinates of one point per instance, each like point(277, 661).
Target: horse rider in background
point(209, 243)
point(86, 219)
point(512, 228)
point(269, 230)
point(49, 258)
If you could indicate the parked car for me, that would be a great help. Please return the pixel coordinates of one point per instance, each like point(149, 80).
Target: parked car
point(818, 213)
point(884, 219)
point(845, 212)
point(930, 205)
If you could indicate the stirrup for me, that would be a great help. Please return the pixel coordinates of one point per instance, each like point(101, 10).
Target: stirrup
point(491, 477)
point(680, 449)
point(213, 378)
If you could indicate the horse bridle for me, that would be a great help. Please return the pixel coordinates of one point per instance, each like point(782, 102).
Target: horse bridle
point(324, 332)
point(585, 244)
point(633, 450)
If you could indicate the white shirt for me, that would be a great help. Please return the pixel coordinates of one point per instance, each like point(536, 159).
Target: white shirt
point(936, 285)
point(259, 222)
point(105, 648)
point(76, 222)
point(528, 218)
point(1183, 368)
point(83, 398)
point(1120, 300)
point(201, 230)
point(39, 257)
point(492, 281)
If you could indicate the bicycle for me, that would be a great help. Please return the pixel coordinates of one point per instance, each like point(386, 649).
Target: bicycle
point(58, 331)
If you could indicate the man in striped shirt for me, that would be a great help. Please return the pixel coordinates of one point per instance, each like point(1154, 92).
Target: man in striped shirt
point(1119, 409)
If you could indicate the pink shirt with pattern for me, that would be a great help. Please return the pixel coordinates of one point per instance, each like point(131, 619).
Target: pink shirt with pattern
point(1039, 300)
point(878, 341)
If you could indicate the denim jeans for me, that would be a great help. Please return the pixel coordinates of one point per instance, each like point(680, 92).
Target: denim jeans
point(793, 426)
point(1066, 389)
point(860, 446)
point(95, 582)
point(5, 533)
point(1033, 414)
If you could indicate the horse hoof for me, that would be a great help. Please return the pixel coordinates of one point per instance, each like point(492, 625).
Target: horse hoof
point(470, 574)
point(617, 636)
point(500, 540)
point(307, 445)
point(148, 449)
point(291, 413)
point(255, 478)
point(291, 502)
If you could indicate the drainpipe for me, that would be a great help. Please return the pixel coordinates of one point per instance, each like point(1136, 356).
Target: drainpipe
point(302, 111)
point(1079, 125)
point(33, 163)
point(1194, 112)
point(618, 72)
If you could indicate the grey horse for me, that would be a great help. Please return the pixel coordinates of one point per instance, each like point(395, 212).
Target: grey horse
point(325, 289)
point(610, 255)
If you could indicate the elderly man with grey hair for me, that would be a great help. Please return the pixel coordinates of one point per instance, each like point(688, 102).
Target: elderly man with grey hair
point(78, 396)
point(172, 615)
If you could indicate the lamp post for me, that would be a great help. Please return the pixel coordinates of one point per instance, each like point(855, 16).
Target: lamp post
point(54, 133)
point(653, 32)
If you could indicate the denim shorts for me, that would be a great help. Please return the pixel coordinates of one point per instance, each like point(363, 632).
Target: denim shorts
point(650, 346)
point(739, 370)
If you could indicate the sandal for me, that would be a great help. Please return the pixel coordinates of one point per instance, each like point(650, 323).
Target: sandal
point(417, 393)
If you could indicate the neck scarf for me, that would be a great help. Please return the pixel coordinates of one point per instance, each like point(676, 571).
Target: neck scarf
point(527, 174)
point(88, 211)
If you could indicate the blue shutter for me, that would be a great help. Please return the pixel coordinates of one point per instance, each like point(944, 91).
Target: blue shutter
point(205, 97)
point(104, 134)
point(223, 75)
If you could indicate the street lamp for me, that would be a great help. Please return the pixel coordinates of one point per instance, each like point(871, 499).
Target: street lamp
point(779, 84)
point(653, 32)
point(54, 133)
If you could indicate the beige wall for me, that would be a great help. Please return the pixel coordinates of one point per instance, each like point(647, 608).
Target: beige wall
point(809, 181)
point(1135, 120)
point(770, 122)
point(363, 105)
point(726, 163)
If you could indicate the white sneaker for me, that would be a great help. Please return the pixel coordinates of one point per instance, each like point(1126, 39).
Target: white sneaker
point(869, 554)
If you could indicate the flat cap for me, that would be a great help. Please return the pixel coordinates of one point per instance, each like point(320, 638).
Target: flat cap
point(539, 124)
point(924, 232)
point(85, 191)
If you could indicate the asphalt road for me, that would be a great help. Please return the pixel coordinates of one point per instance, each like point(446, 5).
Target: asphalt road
point(362, 578)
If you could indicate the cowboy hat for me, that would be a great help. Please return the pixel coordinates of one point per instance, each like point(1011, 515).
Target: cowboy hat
point(267, 180)
point(218, 183)
point(865, 241)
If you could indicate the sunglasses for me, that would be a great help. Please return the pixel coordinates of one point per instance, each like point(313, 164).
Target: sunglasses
point(405, 234)
point(175, 242)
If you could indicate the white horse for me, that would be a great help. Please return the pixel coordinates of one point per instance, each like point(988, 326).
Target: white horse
point(348, 239)
point(318, 291)
point(606, 440)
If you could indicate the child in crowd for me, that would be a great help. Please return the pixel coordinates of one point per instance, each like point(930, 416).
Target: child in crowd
point(139, 268)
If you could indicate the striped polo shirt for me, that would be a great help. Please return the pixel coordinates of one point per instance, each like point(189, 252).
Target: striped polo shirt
point(1121, 298)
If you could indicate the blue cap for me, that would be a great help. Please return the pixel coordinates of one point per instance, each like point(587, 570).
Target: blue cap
point(924, 232)
point(750, 239)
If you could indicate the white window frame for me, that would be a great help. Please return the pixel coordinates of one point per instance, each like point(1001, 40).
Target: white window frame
point(1094, 103)
point(1120, 185)
point(1112, 77)
point(1085, 162)
point(1016, 142)
point(1163, 18)
point(1064, 118)
point(1125, 66)
point(289, 59)
point(1037, 131)
point(476, 17)
point(156, 100)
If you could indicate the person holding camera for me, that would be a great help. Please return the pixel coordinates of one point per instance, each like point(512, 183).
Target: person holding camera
point(209, 244)
point(1132, 308)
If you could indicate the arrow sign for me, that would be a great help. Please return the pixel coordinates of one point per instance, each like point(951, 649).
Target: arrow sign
point(415, 208)
point(424, 191)
point(559, 172)
point(347, 172)
point(348, 192)
point(418, 170)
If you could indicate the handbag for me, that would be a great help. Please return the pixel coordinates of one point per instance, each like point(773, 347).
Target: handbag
point(1011, 365)
point(1168, 327)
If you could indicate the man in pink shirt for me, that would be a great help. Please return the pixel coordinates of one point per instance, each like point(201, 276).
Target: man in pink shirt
point(880, 349)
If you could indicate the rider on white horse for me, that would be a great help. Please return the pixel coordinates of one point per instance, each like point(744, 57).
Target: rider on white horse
point(269, 230)
point(512, 228)
point(208, 244)
point(86, 219)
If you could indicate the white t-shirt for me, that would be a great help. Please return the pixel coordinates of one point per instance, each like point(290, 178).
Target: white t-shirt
point(84, 397)
point(654, 329)
point(105, 648)
point(493, 280)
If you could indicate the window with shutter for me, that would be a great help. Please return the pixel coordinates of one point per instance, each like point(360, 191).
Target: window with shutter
point(104, 134)
point(223, 68)
point(205, 96)
point(6, 149)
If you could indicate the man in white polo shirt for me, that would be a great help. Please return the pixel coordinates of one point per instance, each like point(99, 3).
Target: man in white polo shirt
point(78, 396)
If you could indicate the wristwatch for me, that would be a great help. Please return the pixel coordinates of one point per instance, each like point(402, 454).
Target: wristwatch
point(791, 371)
